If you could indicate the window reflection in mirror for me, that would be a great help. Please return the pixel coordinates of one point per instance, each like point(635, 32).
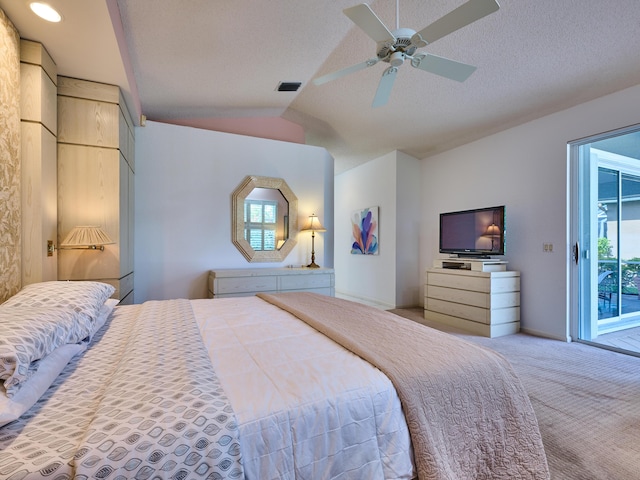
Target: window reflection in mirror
point(254, 205)
point(266, 219)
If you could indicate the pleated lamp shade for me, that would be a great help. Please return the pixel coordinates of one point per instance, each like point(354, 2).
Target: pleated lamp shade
point(86, 236)
point(492, 231)
point(313, 225)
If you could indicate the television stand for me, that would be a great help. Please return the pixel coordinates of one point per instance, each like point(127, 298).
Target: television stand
point(473, 264)
point(484, 302)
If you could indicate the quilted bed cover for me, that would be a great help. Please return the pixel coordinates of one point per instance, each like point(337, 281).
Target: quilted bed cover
point(306, 407)
point(467, 411)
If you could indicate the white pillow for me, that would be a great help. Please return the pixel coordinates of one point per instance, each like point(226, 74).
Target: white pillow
point(105, 311)
point(50, 367)
point(28, 334)
point(84, 297)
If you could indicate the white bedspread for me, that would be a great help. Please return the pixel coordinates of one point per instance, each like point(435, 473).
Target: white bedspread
point(142, 402)
point(306, 407)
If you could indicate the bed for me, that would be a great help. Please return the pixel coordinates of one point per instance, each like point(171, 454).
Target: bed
point(293, 385)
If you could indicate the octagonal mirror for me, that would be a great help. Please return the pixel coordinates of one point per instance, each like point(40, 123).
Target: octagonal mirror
point(264, 219)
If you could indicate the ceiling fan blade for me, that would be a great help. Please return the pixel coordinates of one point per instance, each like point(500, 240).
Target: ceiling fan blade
point(443, 67)
point(345, 71)
point(384, 87)
point(460, 17)
point(368, 21)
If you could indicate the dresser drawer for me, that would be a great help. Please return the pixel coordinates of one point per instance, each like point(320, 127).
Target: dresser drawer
point(468, 312)
point(304, 282)
point(224, 286)
point(475, 314)
point(478, 299)
point(502, 282)
point(461, 282)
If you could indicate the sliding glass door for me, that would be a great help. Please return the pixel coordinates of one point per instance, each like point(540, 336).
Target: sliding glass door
point(607, 247)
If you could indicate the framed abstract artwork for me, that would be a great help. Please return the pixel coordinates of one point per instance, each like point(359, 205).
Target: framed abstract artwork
point(364, 231)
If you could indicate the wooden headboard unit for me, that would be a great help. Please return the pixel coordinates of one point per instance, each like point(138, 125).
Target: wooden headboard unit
point(28, 159)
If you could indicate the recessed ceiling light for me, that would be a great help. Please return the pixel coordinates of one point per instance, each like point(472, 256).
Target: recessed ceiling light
point(47, 12)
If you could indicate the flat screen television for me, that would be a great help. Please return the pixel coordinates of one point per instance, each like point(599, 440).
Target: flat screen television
point(473, 233)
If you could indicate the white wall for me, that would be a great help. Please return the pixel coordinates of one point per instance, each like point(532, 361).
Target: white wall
point(526, 169)
point(183, 183)
point(409, 289)
point(389, 279)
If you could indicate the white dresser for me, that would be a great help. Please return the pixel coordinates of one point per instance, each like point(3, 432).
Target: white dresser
point(483, 302)
point(249, 281)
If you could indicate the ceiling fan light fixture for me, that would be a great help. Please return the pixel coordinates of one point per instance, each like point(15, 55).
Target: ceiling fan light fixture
point(45, 11)
point(396, 59)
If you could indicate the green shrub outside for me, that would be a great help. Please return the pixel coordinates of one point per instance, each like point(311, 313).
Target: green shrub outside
point(608, 262)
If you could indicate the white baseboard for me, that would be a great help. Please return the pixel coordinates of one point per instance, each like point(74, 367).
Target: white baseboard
point(366, 301)
point(537, 333)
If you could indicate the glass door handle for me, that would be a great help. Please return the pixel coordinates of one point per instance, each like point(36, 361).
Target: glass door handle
point(576, 253)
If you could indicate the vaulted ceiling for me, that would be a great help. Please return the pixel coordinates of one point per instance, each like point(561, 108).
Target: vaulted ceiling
point(197, 60)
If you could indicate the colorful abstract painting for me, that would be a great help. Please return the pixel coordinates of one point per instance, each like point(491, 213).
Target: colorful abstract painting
point(364, 227)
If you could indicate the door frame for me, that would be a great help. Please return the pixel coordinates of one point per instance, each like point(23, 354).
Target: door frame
point(576, 276)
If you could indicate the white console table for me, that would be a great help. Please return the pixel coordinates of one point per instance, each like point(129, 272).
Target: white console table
point(485, 302)
point(249, 281)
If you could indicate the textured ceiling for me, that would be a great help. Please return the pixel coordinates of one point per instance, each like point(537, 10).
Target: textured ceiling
point(203, 59)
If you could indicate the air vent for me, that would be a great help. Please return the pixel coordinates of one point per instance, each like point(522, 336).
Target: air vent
point(289, 86)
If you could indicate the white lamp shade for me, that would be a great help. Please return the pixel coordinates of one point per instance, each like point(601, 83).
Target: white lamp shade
point(86, 236)
point(313, 225)
point(492, 231)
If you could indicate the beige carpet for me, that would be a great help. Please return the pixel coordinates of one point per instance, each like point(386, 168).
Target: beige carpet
point(587, 401)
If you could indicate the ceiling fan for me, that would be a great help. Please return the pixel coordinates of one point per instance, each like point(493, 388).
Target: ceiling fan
point(403, 44)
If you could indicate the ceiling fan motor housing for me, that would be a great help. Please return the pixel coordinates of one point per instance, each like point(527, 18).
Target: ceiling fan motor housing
point(401, 44)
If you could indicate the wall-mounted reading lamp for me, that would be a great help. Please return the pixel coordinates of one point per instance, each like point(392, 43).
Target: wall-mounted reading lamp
point(82, 237)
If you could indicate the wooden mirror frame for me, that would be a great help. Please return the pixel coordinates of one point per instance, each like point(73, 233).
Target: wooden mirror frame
point(237, 218)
